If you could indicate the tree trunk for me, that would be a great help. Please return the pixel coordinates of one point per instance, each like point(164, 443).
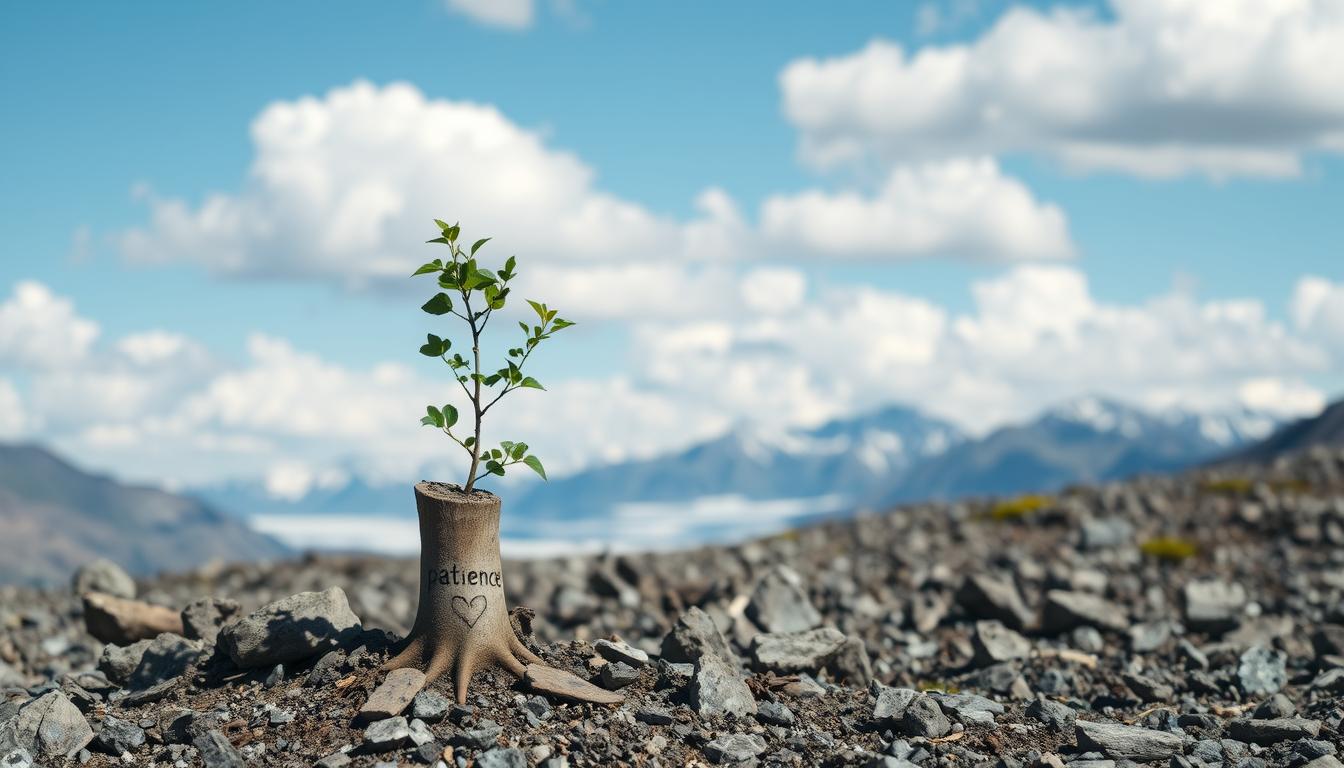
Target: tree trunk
point(462, 623)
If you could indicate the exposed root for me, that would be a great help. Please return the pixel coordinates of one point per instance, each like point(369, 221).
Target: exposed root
point(512, 656)
point(411, 656)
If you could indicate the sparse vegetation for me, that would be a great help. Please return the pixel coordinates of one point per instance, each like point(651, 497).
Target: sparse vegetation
point(1020, 507)
point(1172, 548)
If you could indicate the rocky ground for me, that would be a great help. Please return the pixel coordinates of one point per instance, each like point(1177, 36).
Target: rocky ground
point(1189, 621)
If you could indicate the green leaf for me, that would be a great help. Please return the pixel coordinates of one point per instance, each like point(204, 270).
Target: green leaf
point(428, 421)
point(434, 346)
point(435, 416)
point(531, 382)
point(494, 468)
point(535, 464)
point(540, 309)
point(509, 264)
point(560, 323)
point(441, 304)
point(495, 453)
point(452, 232)
point(476, 246)
point(432, 266)
point(449, 416)
point(517, 451)
point(442, 224)
point(522, 325)
point(507, 445)
point(470, 441)
point(443, 240)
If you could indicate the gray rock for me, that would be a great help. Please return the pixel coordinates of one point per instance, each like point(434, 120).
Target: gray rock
point(693, 636)
point(1261, 671)
point(387, 735)
point(1126, 741)
point(17, 757)
point(1324, 761)
point(164, 658)
point(1065, 610)
point(430, 706)
point(796, 651)
point(892, 702)
point(217, 752)
point(1193, 657)
point(1056, 716)
point(1087, 639)
point(119, 662)
point(484, 735)
point(203, 618)
point(717, 689)
point(1148, 637)
point(334, 760)
point(1275, 706)
point(502, 757)
point(780, 604)
point(616, 675)
point(774, 713)
point(292, 629)
point(117, 736)
point(1148, 689)
point(652, 715)
point(993, 643)
point(985, 597)
point(1207, 752)
point(616, 651)
point(850, 664)
point(923, 717)
point(50, 727)
point(103, 576)
point(1213, 606)
point(735, 748)
point(968, 708)
point(1273, 731)
point(1105, 533)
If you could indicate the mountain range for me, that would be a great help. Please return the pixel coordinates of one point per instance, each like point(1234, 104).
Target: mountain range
point(749, 482)
point(55, 517)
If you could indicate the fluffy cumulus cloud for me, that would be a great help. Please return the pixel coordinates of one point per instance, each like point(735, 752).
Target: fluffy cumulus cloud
point(1160, 88)
point(159, 403)
point(963, 208)
point(342, 189)
point(509, 14)
point(41, 330)
point(1318, 310)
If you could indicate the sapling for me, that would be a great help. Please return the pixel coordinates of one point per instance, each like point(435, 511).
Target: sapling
point(462, 623)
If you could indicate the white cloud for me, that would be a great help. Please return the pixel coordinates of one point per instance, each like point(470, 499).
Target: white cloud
point(13, 416)
point(509, 14)
point(1285, 398)
point(343, 189)
point(1166, 87)
point(41, 330)
point(960, 208)
point(1318, 310)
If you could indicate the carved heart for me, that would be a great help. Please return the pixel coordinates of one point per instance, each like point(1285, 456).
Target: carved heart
point(470, 612)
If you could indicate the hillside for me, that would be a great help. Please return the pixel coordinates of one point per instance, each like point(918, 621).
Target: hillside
point(1325, 428)
point(56, 516)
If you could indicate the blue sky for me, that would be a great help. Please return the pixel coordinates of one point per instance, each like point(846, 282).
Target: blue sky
point(657, 104)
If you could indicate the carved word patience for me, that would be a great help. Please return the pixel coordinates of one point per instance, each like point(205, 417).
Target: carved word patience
point(458, 577)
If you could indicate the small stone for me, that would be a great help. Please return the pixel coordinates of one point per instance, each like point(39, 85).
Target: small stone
point(1148, 637)
point(103, 576)
point(118, 663)
point(392, 697)
point(693, 636)
point(1127, 741)
point(164, 658)
point(735, 748)
point(985, 597)
point(717, 688)
point(1148, 689)
point(780, 604)
point(1213, 606)
point(502, 757)
point(925, 718)
point(969, 708)
point(774, 713)
point(1266, 732)
point(1193, 657)
point(420, 733)
point(1058, 717)
point(117, 736)
point(121, 621)
point(202, 619)
point(217, 752)
point(430, 706)
point(620, 652)
point(616, 675)
point(654, 716)
point(796, 651)
point(51, 727)
point(292, 629)
point(483, 736)
point(1065, 610)
point(994, 643)
point(387, 735)
point(565, 686)
point(1088, 640)
point(1105, 533)
point(1275, 706)
point(16, 757)
point(892, 702)
point(1261, 671)
point(334, 760)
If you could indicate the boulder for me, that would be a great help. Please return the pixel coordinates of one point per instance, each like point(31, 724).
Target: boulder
point(289, 630)
point(780, 604)
point(103, 576)
point(120, 621)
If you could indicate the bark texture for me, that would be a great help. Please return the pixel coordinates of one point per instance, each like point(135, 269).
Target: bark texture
point(462, 623)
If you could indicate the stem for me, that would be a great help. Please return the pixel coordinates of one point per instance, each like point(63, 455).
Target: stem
point(476, 396)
